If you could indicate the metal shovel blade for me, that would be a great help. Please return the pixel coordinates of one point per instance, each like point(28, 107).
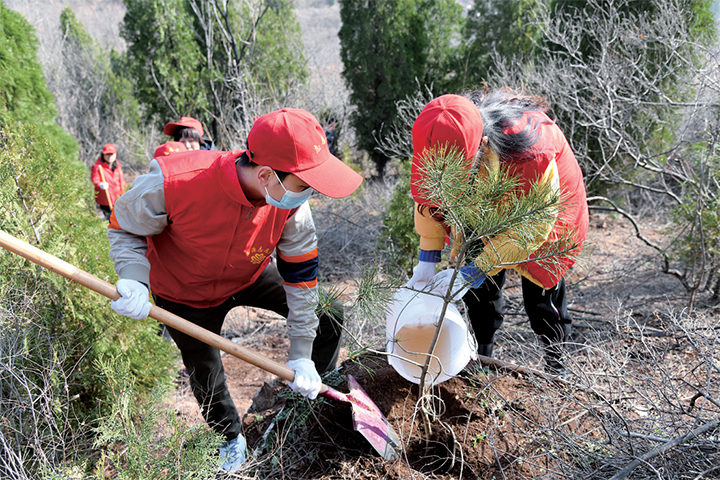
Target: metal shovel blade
point(368, 419)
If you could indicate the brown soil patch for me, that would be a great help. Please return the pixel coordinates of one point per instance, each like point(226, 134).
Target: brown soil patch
point(481, 428)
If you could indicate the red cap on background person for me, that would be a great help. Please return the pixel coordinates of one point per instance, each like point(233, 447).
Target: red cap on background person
point(169, 148)
point(449, 120)
point(292, 140)
point(109, 148)
point(183, 122)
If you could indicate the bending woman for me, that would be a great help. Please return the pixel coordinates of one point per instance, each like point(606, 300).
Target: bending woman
point(493, 128)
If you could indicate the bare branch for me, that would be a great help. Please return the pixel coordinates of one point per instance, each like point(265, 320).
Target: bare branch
point(661, 449)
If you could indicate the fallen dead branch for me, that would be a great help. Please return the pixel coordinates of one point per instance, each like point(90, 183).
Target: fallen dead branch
point(661, 449)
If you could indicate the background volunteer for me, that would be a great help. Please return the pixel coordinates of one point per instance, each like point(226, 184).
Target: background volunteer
point(107, 177)
point(189, 131)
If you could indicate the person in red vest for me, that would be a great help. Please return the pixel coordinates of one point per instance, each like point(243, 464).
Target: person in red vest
point(189, 131)
point(169, 148)
point(107, 176)
point(199, 230)
point(494, 127)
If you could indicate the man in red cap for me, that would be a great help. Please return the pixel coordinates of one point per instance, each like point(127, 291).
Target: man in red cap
point(495, 128)
point(107, 176)
point(199, 230)
point(189, 131)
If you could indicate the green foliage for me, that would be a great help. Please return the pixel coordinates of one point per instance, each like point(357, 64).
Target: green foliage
point(45, 201)
point(398, 238)
point(98, 105)
point(164, 58)
point(291, 426)
point(23, 90)
point(496, 27)
point(185, 54)
point(388, 47)
point(277, 61)
point(483, 205)
point(75, 30)
point(373, 294)
point(186, 452)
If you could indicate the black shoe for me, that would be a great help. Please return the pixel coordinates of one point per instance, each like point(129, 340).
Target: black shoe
point(554, 361)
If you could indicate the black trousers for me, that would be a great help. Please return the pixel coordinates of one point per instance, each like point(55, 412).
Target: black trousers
point(546, 309)
point(203, 363)
point(105, 210)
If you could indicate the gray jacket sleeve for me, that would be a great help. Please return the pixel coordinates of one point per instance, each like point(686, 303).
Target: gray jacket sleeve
point(299, 238)
point(140, 213)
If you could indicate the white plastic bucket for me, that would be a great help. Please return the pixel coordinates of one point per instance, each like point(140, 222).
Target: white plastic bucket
point(411, 325)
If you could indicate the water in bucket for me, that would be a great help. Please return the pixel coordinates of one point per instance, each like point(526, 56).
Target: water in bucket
point(410, 329)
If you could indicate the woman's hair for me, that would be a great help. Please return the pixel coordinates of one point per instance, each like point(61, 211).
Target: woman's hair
point(186, 133)
point(503, 108)
point(244, 161)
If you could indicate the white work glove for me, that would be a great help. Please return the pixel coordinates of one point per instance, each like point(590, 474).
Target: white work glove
point(307, 380)
point(134, 301)
point(103, 185)
point(422, 273)
point(441, 282)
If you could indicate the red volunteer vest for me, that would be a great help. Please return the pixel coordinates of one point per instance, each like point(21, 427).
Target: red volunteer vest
point(573, 216)
point(217, 242)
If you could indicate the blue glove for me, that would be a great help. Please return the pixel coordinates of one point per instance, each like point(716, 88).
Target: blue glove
point(473, 275)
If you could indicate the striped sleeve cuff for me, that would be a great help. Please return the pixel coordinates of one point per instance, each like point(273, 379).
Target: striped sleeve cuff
point(430, 256)
point(302, 274)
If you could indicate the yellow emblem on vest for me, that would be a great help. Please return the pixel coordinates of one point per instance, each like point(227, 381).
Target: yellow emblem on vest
point(258, 255)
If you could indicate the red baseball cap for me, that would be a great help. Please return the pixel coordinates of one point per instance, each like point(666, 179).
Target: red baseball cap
point(169, 148)
point(184, 122)
point(292, 140)
point(449, 120)
point(109, 148)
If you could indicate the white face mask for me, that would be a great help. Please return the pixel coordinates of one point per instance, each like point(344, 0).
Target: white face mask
point(289, 199)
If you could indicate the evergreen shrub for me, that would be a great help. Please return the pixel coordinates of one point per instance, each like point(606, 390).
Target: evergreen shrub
point(45, 200)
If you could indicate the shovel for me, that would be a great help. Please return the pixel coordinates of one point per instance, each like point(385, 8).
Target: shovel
point(367, 417)
point(107, 191)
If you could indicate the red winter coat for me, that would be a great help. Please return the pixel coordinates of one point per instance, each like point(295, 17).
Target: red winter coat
point(573, 217)
point(114, 178)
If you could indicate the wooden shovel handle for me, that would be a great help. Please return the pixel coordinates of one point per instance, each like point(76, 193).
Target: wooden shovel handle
point(107, 191)
point(102, 287)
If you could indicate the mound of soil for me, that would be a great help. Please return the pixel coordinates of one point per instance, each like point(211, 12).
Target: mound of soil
point(479, 427)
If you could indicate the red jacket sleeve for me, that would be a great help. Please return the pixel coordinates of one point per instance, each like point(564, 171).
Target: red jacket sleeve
point(95, 175)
